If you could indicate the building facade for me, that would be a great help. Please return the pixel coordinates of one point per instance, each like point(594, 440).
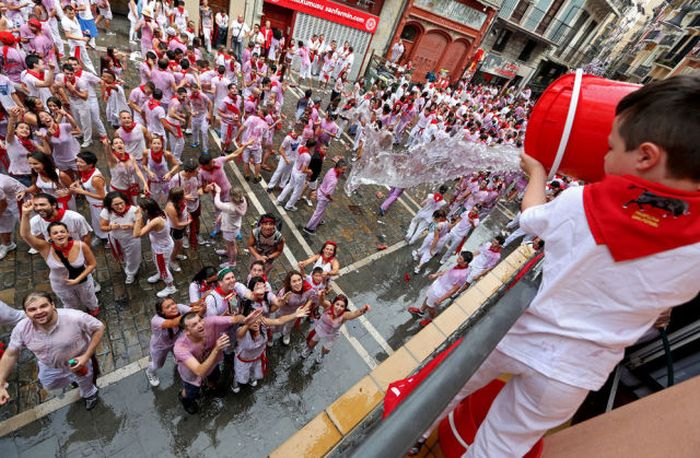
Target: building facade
point(442, 35)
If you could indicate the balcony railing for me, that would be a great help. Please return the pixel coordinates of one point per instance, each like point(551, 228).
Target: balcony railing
point(641, 71)
point(654, 35)
point(531, 20)
point(668, 41)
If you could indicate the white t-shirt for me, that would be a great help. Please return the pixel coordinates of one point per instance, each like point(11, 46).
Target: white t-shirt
point(78, 226)
point(589, 308)
point(72, 28)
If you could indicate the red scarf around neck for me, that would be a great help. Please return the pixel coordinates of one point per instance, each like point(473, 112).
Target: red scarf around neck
point(122, 157)
point(86, 175)
point(37, 75)
point(64, 250)
point(634, 217)
point(57, 217)
point(129, 129)
point(157, 156)
point(437, 197)
point(458, 267)
point(152, 104)
point(27, 143)
point(127, 207)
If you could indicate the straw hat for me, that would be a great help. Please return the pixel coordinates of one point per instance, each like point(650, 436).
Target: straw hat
point(147, 12)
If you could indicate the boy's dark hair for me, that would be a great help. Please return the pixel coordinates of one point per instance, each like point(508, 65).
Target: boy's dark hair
point(500, 239)
point(317, 270)
point(467, 256)
point(666, 113)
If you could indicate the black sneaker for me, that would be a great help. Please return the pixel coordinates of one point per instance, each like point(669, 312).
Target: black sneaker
point(309, 231)
point(190, 406)
point(91, 402)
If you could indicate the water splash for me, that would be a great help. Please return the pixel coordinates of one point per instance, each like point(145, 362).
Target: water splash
point(435, 162)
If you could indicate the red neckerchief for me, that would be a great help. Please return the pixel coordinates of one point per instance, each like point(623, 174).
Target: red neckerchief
point(195, 96)
point(121, 214)
point(437, 197)
point(130, 128)
point(71, 80)
point(634, 217)
point(121, 157)
point(59, 216)
point(181, 9)
point(495, 250)
point(458, 267)
point(152, 104)
point(157, 156)
point(37, 75)
point(27, 143)
point(192, 59)
point(306, 286)
point(56, 133)
point(78, 72)
point(86, 175)
point(221, 292)
point(204, 287)
point(65, 249)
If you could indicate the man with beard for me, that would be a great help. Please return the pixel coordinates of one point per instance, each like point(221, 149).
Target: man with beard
point(63, 341)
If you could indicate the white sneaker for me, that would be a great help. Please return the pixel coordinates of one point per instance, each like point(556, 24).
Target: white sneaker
point(155, 278)
point(414, 253)
point(185, 244)
point(291, 209)
point(32, 251)
point(152, 378)
point(443, 261)
point(167, 291)
point(416, 270)
point(86, 144)
point(226, 265)
point(130, 278)
point(221, 252)
point(305, 353)
point(236, 388)
point(286, 339)
point(3, 251)
point(175, 267)
point(181, 257)
point(254, 383)
point(98, 287)
point(319, 357)
point(308, 202)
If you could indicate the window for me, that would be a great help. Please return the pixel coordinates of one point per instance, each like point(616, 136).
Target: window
point(454, 11)
point(409, 33)
point(520, 11)
point(526, 53)
point(549, 15)
point(502, 40)
point(371, 6)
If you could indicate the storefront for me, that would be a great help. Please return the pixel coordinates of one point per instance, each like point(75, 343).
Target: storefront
point(442, 35)
point(301, 19)
point(498, 70)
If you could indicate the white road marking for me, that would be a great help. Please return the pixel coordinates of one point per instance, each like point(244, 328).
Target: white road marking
point(373, 257)
point(361, 351)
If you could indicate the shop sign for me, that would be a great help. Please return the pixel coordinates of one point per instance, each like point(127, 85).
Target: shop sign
point(499, 66)
point(333, 12)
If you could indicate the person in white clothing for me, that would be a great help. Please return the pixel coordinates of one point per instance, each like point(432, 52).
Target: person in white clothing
point(485, 259)
point(76, 39)
point(232, 213)
point(288, 155)
point(295, 185)
point(607, 274)
point(157, 228)
point(117, 218)
point(424, 217)
point(459, 231)
point(10, 189)
point(93, 186)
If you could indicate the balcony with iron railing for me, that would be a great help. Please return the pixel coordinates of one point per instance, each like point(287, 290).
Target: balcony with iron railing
point(668, 41)
point(522, 15)
point(653, 36)
point(642, 71)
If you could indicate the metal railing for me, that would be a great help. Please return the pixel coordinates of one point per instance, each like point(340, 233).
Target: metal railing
point(397, 433)
point(531, 20)
point(641, 71)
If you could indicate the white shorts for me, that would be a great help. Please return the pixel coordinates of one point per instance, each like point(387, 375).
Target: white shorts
point(229, 236)
point(254, 154)
point(8, 222)
point(431, 298)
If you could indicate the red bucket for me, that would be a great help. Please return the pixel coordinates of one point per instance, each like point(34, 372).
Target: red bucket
point(459, 428)
point(573, 117)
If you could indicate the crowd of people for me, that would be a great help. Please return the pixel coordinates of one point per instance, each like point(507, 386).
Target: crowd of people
point(87, 163)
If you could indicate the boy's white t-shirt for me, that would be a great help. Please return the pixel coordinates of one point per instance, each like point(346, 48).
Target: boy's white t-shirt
point(589, 308)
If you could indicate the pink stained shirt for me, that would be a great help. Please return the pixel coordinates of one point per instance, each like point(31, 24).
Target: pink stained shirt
point(218, 175)
point(254, 128)
point(68, 338)
point(185, 349)
point(14, 63)
point(164, 81)
point(328, 185)
point(161, 339)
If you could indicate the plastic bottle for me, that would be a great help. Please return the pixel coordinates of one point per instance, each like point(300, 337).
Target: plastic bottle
point(82, 371)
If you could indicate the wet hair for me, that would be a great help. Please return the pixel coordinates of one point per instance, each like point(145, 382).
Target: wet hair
point(55, 100)
point(467, 256)
point(204, 273)
point(236, 194)
point(34, 295)
point(47, 163)
point(88, 157)
point(55, 224)
point(666, 113)
point(110, 196)
point(317, 270)
point(42, 195)
point(257, 262)
point(31, 60)
point(176, 195)
point(440, 213)
point(163, 64)
point(254, 281)
point(150, 207)
point(442, 189)
point(190, 165)
point(151, 55)
point(335, 248)
point(341, 297)
point(500, 239)
point(205, 159)
point(287, 284)
point(157, 94)
point(185, 318)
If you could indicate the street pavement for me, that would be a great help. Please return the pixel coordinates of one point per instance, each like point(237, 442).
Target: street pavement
point(133, 419)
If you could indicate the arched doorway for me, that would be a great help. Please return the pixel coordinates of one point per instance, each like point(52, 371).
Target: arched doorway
point(428, 52)
point(409, 35)
point(455, 58)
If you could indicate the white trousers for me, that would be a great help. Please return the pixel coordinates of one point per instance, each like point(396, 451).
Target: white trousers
point(282, 173)
point(128, 253)
point(177, 144)
point(452, 241)
point(52, 378)
point(528, 406)
point(95, 217)
point(416, 228)
point(88, 114)
point(56, 35)
point(295, 187)
point(200, 129)
point(83, 55)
